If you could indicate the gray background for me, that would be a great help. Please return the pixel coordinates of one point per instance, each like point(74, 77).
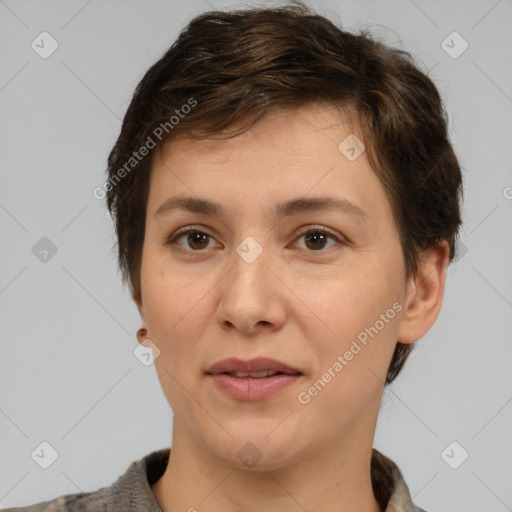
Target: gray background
point(68, 375)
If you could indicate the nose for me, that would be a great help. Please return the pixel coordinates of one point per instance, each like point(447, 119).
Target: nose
point(252, 297)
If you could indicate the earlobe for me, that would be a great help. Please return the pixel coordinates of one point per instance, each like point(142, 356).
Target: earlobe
point(142, 335)
point(424, 295)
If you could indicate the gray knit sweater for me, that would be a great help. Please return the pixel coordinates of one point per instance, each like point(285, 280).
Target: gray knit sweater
point(132, 490)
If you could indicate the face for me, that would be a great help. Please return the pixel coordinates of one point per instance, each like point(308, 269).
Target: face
point(276, 272)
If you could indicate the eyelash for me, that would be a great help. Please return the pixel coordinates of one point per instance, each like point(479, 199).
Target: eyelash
point(171, 240)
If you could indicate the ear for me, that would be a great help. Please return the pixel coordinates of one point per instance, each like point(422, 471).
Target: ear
point(424, 294)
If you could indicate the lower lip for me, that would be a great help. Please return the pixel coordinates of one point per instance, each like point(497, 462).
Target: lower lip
point(253, 389)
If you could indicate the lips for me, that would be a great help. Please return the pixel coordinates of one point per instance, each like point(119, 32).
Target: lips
point(256, 379)
point(259, 364)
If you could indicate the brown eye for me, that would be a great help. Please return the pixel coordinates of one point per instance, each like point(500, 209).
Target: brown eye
point(195, 239)
point(316, 239)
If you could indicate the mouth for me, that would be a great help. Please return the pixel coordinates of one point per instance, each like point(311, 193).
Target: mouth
point(256, 379)
point(256, 375)
point(257, 368)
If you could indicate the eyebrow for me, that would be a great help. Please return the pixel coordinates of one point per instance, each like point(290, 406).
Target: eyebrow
point(285, 209)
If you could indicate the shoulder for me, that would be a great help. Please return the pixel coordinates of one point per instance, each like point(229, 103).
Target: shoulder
point(131, 491)
point(83, 502)
point(389, 485)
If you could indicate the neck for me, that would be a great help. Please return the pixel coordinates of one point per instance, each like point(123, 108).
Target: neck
point(332, 478)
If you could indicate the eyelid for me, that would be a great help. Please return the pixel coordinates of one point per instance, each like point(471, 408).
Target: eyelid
point(322, 229)
point(187, 229)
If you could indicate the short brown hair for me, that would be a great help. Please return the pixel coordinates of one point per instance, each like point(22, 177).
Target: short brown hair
point(240, 66)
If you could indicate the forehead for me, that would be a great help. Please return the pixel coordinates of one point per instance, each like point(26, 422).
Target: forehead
point(299, 153)
point(310, 122)
point(301, 141)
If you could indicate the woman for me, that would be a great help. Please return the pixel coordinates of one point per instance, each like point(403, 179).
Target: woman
point(286, 203)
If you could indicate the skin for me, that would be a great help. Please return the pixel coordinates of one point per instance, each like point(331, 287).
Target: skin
point(301, 301)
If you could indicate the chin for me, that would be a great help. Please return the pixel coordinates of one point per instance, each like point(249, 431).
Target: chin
point(256, 450)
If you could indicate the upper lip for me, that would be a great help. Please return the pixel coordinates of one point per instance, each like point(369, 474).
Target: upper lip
point(252, 365)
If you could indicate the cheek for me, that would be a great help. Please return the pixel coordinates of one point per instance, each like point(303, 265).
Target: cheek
point(176, 316)
point(349, 299)
point(177, 312)
point(167, 294)
point(356, 320)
